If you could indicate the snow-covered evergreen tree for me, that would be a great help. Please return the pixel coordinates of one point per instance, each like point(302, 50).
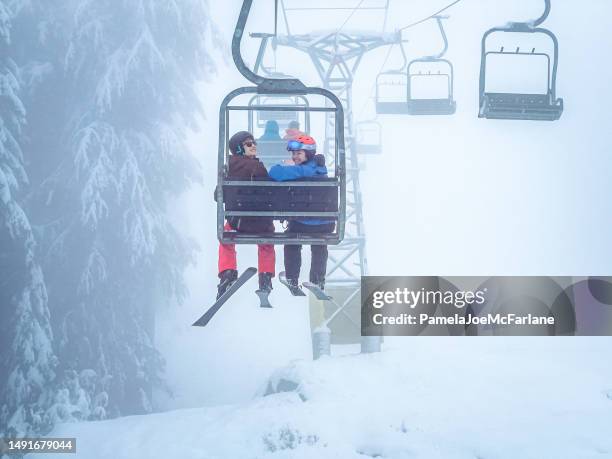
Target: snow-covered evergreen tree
point(111, 86)
point(26, 355)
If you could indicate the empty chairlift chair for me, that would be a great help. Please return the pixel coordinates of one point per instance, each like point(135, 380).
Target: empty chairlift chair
point(431, 105)
point(368, 137)
point(431, 73)
point(543, 105)
point(391, 89)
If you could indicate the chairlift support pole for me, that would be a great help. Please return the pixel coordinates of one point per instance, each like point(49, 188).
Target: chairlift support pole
point(336, 56)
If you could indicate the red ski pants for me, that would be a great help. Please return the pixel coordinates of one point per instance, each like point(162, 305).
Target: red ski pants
point(265, 256)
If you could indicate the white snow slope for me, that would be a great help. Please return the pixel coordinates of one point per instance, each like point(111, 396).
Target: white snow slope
point(486, 398)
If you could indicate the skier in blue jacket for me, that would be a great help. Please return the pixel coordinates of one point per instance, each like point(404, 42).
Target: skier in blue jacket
point(271, 131)
point(304, 163)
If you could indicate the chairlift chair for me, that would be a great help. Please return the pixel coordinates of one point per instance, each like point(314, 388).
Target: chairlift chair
point(395, 105)
point(316, 198)
point(521, 106)
point(368, 137)
point(432, 106)
point(320, 198)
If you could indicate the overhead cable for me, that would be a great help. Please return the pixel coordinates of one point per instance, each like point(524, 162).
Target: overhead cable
point(430, 17)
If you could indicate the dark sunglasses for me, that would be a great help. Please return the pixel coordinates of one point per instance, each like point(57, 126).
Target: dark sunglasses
point(249, 143)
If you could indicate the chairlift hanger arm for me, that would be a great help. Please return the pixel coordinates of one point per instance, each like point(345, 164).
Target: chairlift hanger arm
point(434, 57)
point(542, 18)
point(269, 84)
point(401, 69)
point(445, 40)
point(275, 17)
point(545, 14)
point(524, 26)
point(261, 52)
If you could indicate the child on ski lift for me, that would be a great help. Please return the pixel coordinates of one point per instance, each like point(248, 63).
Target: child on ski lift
point(304, 162)
point(293, 131)
point(244, 165)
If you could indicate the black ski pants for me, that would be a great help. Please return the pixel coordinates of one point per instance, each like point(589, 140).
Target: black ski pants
point(293, 253)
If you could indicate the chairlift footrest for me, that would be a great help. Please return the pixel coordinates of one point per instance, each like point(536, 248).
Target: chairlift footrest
point(538, 107)
point(432, 106)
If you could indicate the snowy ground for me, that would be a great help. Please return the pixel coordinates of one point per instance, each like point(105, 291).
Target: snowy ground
point(487, 398)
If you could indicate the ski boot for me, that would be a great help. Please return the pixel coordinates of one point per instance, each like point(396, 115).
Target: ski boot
point(226, 279)
point(292, 284)
point(265, 282)
point(320, 283)
point(294, 287)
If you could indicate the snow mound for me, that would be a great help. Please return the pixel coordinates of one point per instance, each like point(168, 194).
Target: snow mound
point(441, 398)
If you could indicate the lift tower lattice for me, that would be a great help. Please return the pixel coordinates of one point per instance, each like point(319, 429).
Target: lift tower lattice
point(336, 56)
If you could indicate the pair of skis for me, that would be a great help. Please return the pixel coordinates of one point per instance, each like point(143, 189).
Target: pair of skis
point(263, 295)
point(297, 291)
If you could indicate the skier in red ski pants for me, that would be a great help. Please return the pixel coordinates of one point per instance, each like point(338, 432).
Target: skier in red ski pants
point(244, 165)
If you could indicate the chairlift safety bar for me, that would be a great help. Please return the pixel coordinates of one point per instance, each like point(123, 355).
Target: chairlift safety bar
point(280, 108)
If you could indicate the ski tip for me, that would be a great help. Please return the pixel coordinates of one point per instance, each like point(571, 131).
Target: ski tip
point(242, 278)
point(263, 299)
point(317, 292)
point(297, 291)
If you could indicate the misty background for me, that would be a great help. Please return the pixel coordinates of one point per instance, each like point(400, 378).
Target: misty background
point(108, 139)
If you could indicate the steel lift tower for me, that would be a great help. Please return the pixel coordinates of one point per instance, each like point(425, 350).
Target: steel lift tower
point(336, 56)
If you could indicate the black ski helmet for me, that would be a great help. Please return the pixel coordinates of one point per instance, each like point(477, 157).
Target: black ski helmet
point(236, 141)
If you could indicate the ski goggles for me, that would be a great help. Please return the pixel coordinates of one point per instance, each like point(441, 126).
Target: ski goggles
point(294, 145)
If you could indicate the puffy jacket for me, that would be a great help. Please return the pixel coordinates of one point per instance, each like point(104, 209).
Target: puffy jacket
point(247, 168)
point(282, 173)
point(310, 168)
